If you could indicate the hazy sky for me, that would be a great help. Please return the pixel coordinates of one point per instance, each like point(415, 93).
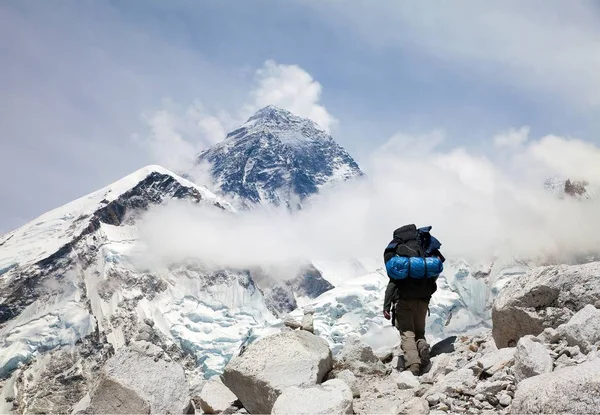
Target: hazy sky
point(93, 90)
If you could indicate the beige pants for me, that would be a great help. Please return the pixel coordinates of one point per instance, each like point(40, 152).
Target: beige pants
point(410, 320)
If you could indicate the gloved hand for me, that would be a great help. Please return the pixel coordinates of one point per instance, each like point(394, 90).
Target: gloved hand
point(386, 315)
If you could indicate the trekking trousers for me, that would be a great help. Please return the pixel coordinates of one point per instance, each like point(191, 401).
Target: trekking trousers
point(410, 320)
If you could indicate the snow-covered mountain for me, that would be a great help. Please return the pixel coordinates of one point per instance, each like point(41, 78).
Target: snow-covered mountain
point(279, 158)
point(75, 287)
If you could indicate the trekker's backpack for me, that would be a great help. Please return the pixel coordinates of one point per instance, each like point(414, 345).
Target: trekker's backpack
point(413, 253)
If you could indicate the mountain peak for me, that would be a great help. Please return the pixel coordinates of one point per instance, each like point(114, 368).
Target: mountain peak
point(277, 157)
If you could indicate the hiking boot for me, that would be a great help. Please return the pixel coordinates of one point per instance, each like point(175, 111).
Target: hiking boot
point(423, 349)
point(415, 369)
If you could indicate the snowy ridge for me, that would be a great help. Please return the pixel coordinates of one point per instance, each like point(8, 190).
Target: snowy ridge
point(278, 158)
point(72, 272)
point(46, 234)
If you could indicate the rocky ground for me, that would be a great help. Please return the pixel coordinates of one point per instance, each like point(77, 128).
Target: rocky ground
point(541, 357)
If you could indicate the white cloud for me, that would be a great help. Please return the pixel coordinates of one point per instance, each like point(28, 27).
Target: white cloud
point(292, 88)
point(177, 134)
point(568, 158)
point(479, 209)
point(512, 138)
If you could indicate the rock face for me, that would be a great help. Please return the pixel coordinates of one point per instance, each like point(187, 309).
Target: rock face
point(332, 397)
point(531, 358)
point(544, 297)
point(131, 378)
point(583, 329)
point(216, 397)
point(270, 365)
point(572, 390)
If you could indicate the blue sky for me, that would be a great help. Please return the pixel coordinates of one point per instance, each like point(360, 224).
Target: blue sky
point(89, 87)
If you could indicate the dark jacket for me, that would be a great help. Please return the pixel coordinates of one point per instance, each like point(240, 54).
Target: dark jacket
point(410, 241)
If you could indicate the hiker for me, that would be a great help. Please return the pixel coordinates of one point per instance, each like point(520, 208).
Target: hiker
point(413, 263)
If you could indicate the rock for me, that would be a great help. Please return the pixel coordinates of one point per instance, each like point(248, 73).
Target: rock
point(359, 358)
point(544, 297)
point(309, 309)
point(531, 358)
point(567, 390)
point(504, 399)
point(292, 323)
point(397, 363)
point(416, 406)
point(495, 361)
point(583, 329)
point(404, 380)
point(160, 383)
point(491, 387)
point(384, 354)
point(332, 397)
point(111, 397)
point(149, 322)
point(549, 335)
point(308, 323)
point(434, 399)
point(443, 346)
point(440, 365)
point(454, 384)
point(271, 364)
point(350, 380)
point(564, 361)
point(216, 397)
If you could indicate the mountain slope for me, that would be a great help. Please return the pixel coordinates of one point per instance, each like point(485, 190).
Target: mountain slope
point(277, 157)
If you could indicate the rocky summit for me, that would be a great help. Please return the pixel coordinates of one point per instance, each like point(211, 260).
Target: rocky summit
point(277, 158)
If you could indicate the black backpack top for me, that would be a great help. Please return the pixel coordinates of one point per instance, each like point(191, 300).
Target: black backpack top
point(408, 241)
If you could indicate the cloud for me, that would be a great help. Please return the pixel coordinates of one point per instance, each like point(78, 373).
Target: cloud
point(292, 88)
point(512, 138)
point(177, 134)
point(478, 208)
point(568, 158)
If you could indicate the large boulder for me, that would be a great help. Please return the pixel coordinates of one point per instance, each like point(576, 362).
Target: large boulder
point(359, 358)
point(138, 379)
point(271, 364)
point(216, 397)
point(583, 329)
point(111, 397)
point(573, 390)
point(531, 358)
point(332, 397)
point(544, 297)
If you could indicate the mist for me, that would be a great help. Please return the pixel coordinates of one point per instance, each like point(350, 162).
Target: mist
point(481, 206)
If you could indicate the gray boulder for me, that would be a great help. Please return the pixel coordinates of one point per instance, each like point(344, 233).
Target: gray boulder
point(215, 397)
point(573, 390)
point(404, 380)
point(140, 377)
point(461, 382)
point(416, 406)
point(111, 397)
point(544, 297)
point(332, 397)
point(493, 362)
point(531, 358)
point(350, 380)
point(271, 364)
point(583, 329)
point(359, 358)
point(308, 323)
